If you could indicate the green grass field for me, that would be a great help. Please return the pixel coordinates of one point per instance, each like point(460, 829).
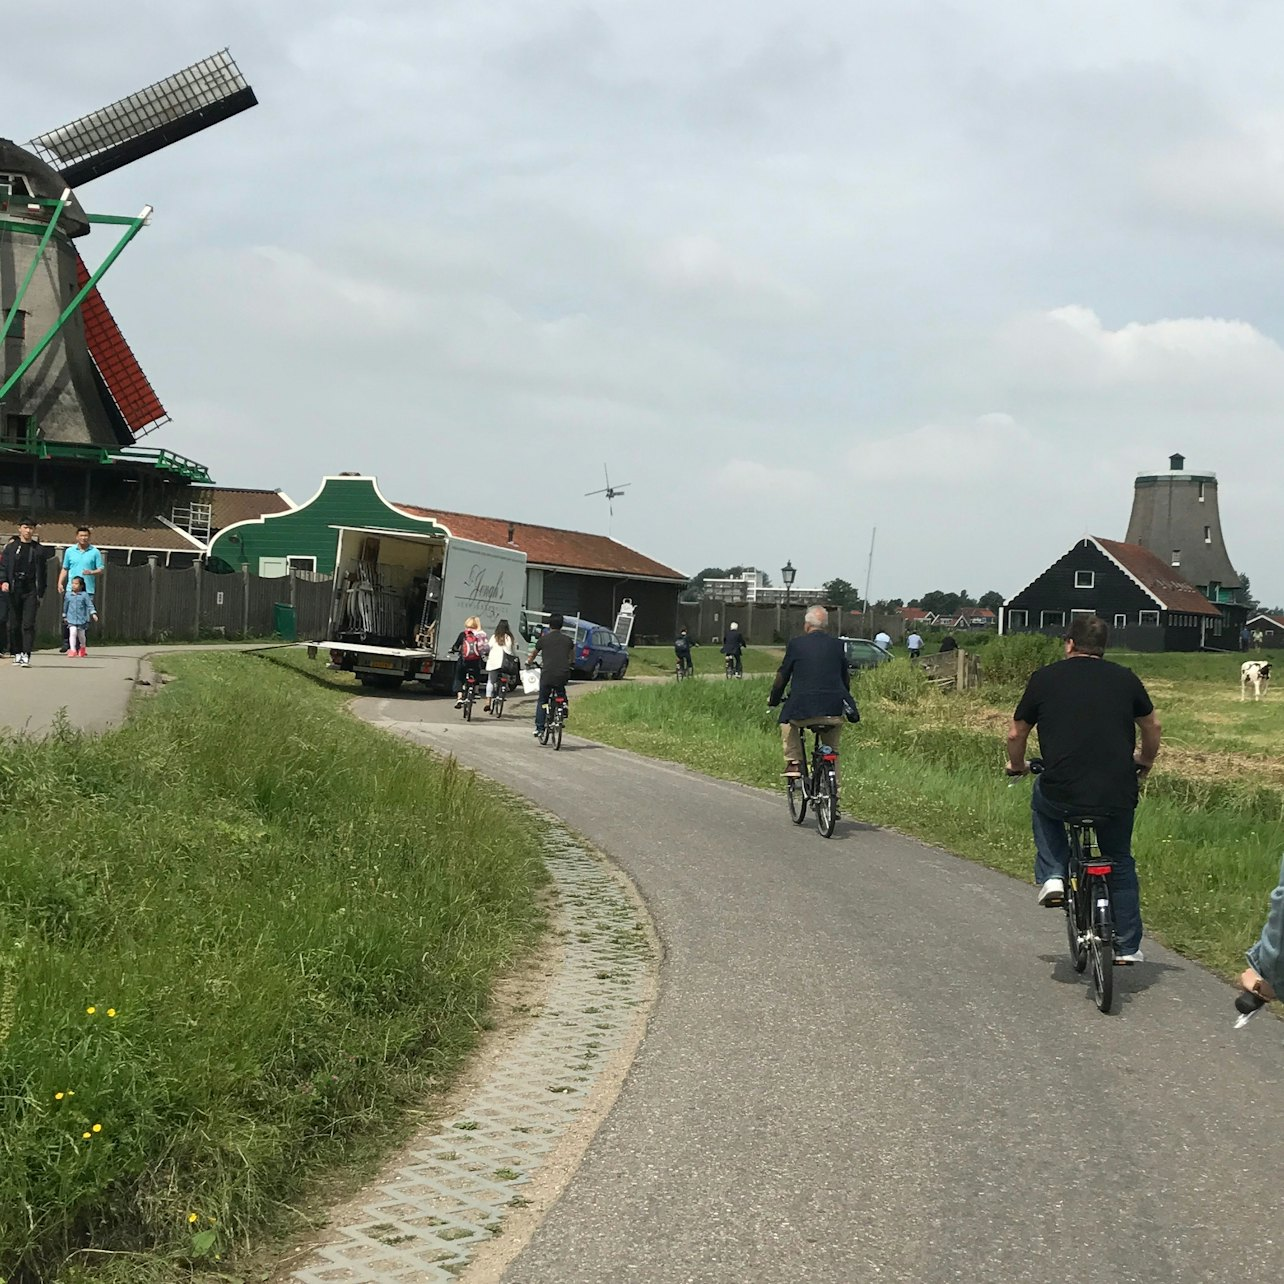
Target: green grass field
point(1209, 831)
point(237, 937)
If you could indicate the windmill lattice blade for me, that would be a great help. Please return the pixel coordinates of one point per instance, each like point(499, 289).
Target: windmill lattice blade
point(183, 104)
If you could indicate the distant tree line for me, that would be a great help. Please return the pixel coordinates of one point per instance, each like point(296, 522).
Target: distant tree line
point(844, 595)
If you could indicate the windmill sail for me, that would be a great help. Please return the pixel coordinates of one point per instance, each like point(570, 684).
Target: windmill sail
point(183, 104)
point(123, 379)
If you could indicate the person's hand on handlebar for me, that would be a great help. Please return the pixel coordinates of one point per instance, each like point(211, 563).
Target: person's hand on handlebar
point(1143, 768)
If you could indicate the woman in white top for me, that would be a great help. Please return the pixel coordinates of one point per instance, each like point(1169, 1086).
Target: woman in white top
point(501, 644)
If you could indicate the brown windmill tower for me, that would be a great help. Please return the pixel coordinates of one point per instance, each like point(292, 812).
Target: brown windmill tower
point(1175, 515)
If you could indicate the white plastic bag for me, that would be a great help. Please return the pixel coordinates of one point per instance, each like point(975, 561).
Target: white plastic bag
point(530, 681)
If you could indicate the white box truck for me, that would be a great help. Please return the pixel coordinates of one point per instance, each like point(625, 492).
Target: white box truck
point(401, 598)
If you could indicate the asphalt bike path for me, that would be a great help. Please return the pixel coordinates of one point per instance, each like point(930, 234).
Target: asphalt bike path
point(871, 1060)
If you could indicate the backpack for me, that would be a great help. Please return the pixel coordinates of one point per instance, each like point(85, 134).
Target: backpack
point(475, 645)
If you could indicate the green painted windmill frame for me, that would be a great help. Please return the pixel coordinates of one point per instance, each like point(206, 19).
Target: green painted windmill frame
point(132, 225)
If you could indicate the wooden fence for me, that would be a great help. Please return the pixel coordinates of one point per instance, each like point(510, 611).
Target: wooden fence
point(155, 604)
point(952, 670)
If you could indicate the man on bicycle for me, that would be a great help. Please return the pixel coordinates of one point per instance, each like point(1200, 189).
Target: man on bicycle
point(816, 673)
point(557, 654)
point(1088, 712)
point(733, 645)
point(682, 645)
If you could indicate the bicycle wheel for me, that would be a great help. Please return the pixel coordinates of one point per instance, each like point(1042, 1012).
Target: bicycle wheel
point(497, 704)
point(797, 800)
point(547, 729)
point(557, 734)
point(826, 804)
point(468, 709)
point(1101, 945)
point(1075, 923)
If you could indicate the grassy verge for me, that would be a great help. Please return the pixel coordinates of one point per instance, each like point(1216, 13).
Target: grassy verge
point(930, 764)
point(237, 937)
point(652, 660)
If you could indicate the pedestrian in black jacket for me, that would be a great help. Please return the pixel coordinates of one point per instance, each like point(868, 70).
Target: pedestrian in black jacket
point(24, 577)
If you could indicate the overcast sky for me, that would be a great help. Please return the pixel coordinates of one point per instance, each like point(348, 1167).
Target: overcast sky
point(957, 271)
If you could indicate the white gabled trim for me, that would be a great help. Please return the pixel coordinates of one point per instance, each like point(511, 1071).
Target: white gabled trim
point(320, 490)
point(1110, 557)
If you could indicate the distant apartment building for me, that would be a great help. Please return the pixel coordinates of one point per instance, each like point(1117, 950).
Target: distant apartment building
point(751, 586)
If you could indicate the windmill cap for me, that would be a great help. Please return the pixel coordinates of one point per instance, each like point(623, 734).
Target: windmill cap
point(44, 181)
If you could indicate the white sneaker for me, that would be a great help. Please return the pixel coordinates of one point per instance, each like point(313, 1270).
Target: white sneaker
point(26, 660)
point(1127, 960)
point(1052, 894)
point(17, 657)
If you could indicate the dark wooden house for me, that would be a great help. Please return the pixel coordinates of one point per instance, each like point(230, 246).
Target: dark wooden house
point(1148, 605)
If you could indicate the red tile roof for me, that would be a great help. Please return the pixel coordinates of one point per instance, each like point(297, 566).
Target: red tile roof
point(911, 613)
point(549, 546)
point(1161, 581)
point(129, 387)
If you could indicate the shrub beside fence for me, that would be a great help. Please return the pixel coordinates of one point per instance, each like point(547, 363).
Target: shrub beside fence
point(155, 604)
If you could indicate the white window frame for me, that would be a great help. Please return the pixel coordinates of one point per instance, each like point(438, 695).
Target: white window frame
point(1201, 492)
point(1208, 534)
point(1142, 617)
point(1074, 615)
point(1045, 623)
point(1176, 558)
point(1080, 576)
point(1023, 622)
point(293, 559)
point(1121, 621)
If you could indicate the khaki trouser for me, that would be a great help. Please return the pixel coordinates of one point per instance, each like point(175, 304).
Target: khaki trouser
point(790, 735)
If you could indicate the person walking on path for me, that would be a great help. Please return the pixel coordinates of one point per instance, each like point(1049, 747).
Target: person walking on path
point(915, 645)
point(556, 651)
point(24, 576)
point(502, 649)
point(77, 611)
point(733, 645)
point(82, 559)
point(815, 671)
point(883, 639)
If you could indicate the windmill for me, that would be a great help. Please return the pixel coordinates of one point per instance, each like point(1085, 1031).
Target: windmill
point(610, 492)
point(67, 376)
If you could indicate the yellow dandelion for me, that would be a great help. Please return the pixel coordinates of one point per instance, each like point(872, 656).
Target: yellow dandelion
point(192, 1217)
point(98, 1127)
point(71, 1092)
point(90, 1010)
point(111, 1012)
point(58, 1096)
point(85, 1135)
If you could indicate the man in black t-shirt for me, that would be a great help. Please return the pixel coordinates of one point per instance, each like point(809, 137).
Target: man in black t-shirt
point(1088, 712)
point(557, 655)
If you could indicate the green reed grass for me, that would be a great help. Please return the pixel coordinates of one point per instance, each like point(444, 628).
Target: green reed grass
point(237, 937)
point(652, 660)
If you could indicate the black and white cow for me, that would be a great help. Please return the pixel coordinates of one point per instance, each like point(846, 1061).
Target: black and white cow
point(1255, 674)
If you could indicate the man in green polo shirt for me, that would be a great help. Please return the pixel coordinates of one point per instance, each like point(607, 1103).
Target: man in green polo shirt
point(82, 559)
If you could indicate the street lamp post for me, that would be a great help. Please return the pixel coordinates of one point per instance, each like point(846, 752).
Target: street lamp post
point(787, 573)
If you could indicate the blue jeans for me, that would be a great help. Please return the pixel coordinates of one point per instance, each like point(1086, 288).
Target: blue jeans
point(1114, 842)
point(546, 693)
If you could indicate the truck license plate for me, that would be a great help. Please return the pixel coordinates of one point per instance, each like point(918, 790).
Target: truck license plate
point(380, 663)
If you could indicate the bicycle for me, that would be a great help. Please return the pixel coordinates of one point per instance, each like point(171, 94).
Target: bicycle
point(468, 694)
point(818, 786)
point(732, 666)
point(497, 700)
point(554, 720)
point(1090, 920)
point(685, 669)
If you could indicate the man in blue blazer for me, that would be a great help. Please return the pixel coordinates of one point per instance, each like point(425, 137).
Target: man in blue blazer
point(815, 671)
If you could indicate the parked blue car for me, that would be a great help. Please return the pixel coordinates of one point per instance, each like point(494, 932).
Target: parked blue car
point(598, 652)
